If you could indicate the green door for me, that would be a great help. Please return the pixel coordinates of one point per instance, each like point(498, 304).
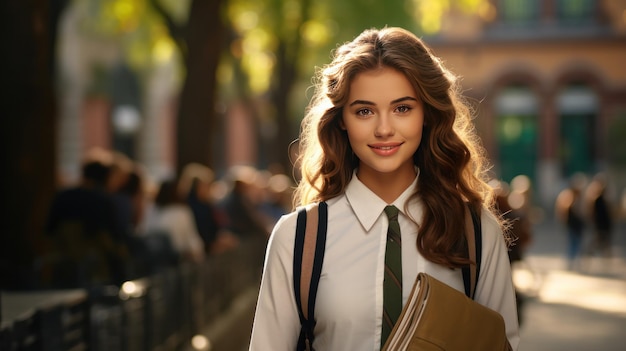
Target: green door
point(517, 145)
point(576, 146)
point(578, 106)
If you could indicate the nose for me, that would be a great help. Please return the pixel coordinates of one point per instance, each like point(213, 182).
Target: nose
point(384, 126)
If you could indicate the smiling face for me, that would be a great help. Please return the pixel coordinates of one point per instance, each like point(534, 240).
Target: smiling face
point(384, 120)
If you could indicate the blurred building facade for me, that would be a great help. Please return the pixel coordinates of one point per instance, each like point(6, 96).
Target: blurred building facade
point(112, 96)
point(105, 103)
point(549, 76)
point(550, 79)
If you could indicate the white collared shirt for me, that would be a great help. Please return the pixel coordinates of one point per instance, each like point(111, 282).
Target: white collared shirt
point(349, 301)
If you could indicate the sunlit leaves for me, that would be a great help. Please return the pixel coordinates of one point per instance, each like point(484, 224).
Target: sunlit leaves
point(429, 13)
point(150, 45)
point(163, 46)
point(316, 33)
point(291, 13)
point(245, 21)
point(252, 46)
point(256, 40)
point(257, 59)
point(127, 13)
point(308, 30)
point(260, 25)
point(110, 18)
point(487, 11)
point(139, 31)
point(177, 9)
point(469, 6)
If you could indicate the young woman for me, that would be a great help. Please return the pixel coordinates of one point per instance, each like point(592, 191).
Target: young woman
point(386, 125)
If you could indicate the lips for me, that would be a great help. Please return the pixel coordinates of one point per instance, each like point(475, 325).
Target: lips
point(385, 149)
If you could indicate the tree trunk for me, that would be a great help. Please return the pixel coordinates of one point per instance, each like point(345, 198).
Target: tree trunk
point(288, 53)
point(286, 80)
point(27, 132)
point(196, 114)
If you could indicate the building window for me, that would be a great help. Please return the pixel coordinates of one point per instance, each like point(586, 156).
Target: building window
point(575, 11)
point(517, 108)
point(519, 12)
point(578, 109)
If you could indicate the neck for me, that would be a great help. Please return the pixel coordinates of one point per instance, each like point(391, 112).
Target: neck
point(387, 186)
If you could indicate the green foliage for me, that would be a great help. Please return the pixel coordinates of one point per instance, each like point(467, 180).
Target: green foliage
point(268, 39)
point(306, 30)
point(261, 25)
point(135, 26)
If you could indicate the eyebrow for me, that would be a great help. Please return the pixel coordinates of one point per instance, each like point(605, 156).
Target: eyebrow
point(365, 102)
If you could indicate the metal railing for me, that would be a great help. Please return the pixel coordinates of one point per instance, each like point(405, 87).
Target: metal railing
point(159, 312)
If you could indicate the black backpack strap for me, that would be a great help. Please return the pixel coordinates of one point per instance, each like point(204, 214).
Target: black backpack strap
point(309, 247)
point(473, 233)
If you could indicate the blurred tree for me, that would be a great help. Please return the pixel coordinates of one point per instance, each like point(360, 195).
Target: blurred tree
point(196, 28)
point(276, 44)
point(27, 132)
point(200, 42)
point(264, 48)
point(288, 50)
point(147, 33)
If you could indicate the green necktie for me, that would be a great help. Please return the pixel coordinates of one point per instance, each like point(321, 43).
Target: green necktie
point(392, 285)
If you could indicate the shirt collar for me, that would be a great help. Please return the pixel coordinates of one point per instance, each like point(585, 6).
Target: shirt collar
point(367, 206)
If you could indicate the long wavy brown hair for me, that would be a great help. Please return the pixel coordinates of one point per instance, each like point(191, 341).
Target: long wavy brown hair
point(453, 169)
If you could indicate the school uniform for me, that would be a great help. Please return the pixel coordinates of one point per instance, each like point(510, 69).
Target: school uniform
point(349, 301)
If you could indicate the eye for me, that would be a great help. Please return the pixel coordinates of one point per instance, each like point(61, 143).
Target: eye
point(364, 112)
point(403, 109)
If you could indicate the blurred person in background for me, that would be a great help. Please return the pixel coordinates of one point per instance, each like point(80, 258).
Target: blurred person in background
point(196, 187)
point(278, 198)
point(135, 189)
point(131, 199)
point(569, 208)
point(119, 176)
point(240, 205)
point(88, 242)
point(126, 186)
point(170, 215)
point(600, 216)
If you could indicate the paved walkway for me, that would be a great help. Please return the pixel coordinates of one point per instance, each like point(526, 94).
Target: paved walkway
point(574, 310)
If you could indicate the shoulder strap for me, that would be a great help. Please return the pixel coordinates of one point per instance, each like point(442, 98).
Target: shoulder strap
point(309, 247)
point(471, 273)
